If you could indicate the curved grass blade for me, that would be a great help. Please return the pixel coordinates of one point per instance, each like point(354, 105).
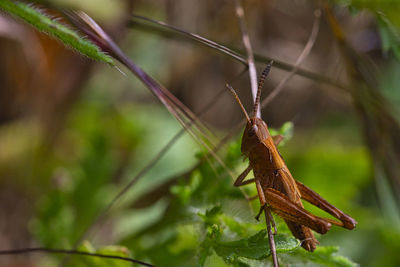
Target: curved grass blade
point(185, 116)
point(236, 54)
point(174, 106)
point(52, 27)
point(195, 37)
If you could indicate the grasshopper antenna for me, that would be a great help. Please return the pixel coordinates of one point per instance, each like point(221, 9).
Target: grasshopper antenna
point(239, 102)
point(264, 74)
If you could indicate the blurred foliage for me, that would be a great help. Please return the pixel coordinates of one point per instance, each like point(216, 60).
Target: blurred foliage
point(195, 215)
point(388, 7)
point(82, 261)
point(390, 35)
point(386, 12)
point(205, 220)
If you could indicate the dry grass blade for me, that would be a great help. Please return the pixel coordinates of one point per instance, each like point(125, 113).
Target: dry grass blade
point(196, 37)
point(249, 51)
point(200, 133)
point(174, 106)
point(306, 51)
point(163, 28)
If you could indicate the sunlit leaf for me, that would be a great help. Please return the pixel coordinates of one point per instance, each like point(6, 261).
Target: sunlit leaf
point(322, 256)
point(255, 247)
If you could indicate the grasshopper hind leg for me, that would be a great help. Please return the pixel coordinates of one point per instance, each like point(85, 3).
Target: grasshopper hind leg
point(312, 197)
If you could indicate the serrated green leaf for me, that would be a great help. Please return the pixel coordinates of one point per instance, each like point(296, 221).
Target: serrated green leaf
point(322, 256)
point(255, 247)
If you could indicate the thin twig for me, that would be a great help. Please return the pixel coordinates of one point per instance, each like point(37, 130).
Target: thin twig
point(70, 252)
point(300, 59)
point(234, 53)
point(250, 58)
point(271, 240)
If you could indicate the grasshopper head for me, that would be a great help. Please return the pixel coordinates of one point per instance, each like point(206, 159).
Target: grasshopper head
point(255, 132)
point(256, 129)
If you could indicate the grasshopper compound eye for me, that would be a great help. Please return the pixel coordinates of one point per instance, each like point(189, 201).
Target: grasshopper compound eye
point(253, 130)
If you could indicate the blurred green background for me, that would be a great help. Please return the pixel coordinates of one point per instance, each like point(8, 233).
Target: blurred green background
point(74, 132)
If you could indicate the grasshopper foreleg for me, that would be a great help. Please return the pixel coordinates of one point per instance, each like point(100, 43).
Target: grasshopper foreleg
point(239, 181)
point(277, 139)
point(260, 211)
point(252, 198)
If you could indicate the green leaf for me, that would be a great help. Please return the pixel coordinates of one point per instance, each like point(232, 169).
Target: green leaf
point(286, 131)
point(390, 36)
point(322, 256)
point(255, 247)
point(59, 31)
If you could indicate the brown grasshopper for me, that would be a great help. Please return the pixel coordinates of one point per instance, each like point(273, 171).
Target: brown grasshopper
point(277, 190)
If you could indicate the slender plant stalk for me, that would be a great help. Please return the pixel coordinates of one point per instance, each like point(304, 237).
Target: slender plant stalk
point(249, 51)
point(254, 88)
point(271, 240)
point(71, 252)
